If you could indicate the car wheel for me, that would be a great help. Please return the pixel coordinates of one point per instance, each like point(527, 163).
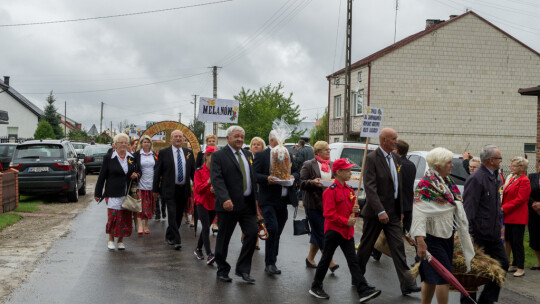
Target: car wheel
point(82, 191)
point(73, 196)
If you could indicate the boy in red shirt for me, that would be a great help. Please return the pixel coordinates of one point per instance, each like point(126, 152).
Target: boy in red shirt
point(339, 210)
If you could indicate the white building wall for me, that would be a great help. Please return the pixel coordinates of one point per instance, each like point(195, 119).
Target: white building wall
point(19, 116)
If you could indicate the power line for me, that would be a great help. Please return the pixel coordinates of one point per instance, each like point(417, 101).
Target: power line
point(119, 88)
point(114, 16)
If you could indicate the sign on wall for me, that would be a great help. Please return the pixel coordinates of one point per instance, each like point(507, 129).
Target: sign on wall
point(372, 122)
point(218, 110)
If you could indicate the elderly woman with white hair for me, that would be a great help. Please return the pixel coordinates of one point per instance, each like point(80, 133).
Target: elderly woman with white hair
point(114, 176)
point(437, 212)
point(146, 160)
point(515, 199)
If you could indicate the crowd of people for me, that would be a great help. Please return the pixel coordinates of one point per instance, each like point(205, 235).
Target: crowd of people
point(232, 187)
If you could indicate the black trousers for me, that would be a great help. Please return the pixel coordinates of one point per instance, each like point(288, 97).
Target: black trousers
point(333, 240)
point(227, 222)
point(206, 217)
point(407, 221)
point(160, 209)
point(513, 234)
point(275, 218)
point(491, 291)
point(175, 210)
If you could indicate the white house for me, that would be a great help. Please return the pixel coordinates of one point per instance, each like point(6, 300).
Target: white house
point(23, 114)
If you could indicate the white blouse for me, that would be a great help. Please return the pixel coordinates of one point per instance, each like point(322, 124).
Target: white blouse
point(116, 202)
point(324, 175)
point(147, 168)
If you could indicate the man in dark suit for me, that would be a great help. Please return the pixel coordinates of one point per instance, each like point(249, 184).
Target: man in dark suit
point(273, 200)
point(174, 170)
point(408, 174)
point(233, 179)
point(384, 208)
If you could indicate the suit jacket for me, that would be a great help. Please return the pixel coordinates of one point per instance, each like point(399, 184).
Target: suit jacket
point(270, 195)
point(379, 186)
point(408, 174)
point(515, 198)
point(535, 188)
point(227, 180)
point(312, 195)
point(165, 172)
point(112, 177)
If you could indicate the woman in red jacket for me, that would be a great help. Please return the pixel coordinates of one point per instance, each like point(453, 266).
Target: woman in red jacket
point(516, 193)
point(205, 198)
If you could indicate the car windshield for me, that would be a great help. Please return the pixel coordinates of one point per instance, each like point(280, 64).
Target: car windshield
point(41, 151)
point(7, 150)
point(355, 156)
point(78, 145)
point(91, 150)
point(459, 175)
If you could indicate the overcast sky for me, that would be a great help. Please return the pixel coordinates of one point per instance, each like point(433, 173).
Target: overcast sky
point(146, 67)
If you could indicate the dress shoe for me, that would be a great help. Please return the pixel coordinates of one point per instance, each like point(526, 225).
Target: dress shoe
point(224, 278)
point(376, 254)
point(246, 277)
point(535, 268)
point(334, 268)
point(170, 242)
point(309, 265)
point(410, 289)
point(177, 246)
point(272, 269)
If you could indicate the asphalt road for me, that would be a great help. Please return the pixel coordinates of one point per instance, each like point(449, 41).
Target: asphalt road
point(80, 269)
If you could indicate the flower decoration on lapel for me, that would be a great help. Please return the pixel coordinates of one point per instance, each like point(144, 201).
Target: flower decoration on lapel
point(398, 168)
point(250, 161)
point(352, 197)
point(130, 161)
point(188, 155)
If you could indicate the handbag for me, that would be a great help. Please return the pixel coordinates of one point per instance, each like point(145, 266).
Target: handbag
point(300, 227)
point(130, 203)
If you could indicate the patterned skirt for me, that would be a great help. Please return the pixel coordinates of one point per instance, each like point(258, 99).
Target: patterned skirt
point(148, 204)
point(189, 206)
point(119, 222)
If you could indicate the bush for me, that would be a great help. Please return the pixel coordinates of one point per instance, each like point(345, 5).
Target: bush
point(44, 131)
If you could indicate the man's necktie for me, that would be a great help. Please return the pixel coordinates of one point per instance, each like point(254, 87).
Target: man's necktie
point(180, 167)
point(243, 169)
point(392, 171)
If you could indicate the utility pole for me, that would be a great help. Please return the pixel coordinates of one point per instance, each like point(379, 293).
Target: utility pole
point(395, 21)
point(180, 117)
point(111, 130)
point(214, 73)
point(101, 119)
point(194, 108)
point(65, 118)
point(347, 105)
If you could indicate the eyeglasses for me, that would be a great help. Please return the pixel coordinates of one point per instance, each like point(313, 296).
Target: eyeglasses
point(496, 157)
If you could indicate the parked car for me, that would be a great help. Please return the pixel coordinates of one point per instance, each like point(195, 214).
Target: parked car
point(354, 151)
point(6, 153)
point(93, 157)
point(458, 174)
point(79, 146)
point(50, 166)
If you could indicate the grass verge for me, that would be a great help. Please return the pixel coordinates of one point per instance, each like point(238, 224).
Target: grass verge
point(7, 219)
point(28, 204)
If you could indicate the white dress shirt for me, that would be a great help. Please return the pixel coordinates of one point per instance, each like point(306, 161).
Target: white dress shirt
point(147, 170)
point(393, 172)
point(175, 157)
point(246, 166)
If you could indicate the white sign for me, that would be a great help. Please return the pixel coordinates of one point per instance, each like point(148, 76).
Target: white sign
point(218, 110)
point(371, 125)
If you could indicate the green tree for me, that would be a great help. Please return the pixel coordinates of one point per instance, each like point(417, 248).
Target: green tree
point(320, 131)
point(52, 117)
point(78, 135)
point(259, 109)
point(44, 131)
point(197, 127)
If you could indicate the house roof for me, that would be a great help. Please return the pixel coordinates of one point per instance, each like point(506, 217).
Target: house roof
point(416, 36)
point(534, 91)
point(17, 96)
point(93, 131)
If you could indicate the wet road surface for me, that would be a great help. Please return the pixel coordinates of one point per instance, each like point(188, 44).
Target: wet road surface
point(80, 269)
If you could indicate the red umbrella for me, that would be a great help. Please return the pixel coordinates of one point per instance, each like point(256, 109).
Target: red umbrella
point(447, 275)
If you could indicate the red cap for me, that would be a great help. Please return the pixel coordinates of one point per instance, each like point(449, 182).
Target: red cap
point(342, 163)
point(210, 149)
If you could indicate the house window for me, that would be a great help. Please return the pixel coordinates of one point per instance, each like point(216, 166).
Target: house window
point(360, 76)
point(337, 106)
point(336, 139)
point(358, 103)
point(13, 131)
point(530, 148)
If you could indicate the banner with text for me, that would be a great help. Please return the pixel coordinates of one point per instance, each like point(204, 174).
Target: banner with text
point(372, 123)
point(218, 110)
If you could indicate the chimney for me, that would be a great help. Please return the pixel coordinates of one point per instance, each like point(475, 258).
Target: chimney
point(453, 16)
point(6, 80)
point(430, 23)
